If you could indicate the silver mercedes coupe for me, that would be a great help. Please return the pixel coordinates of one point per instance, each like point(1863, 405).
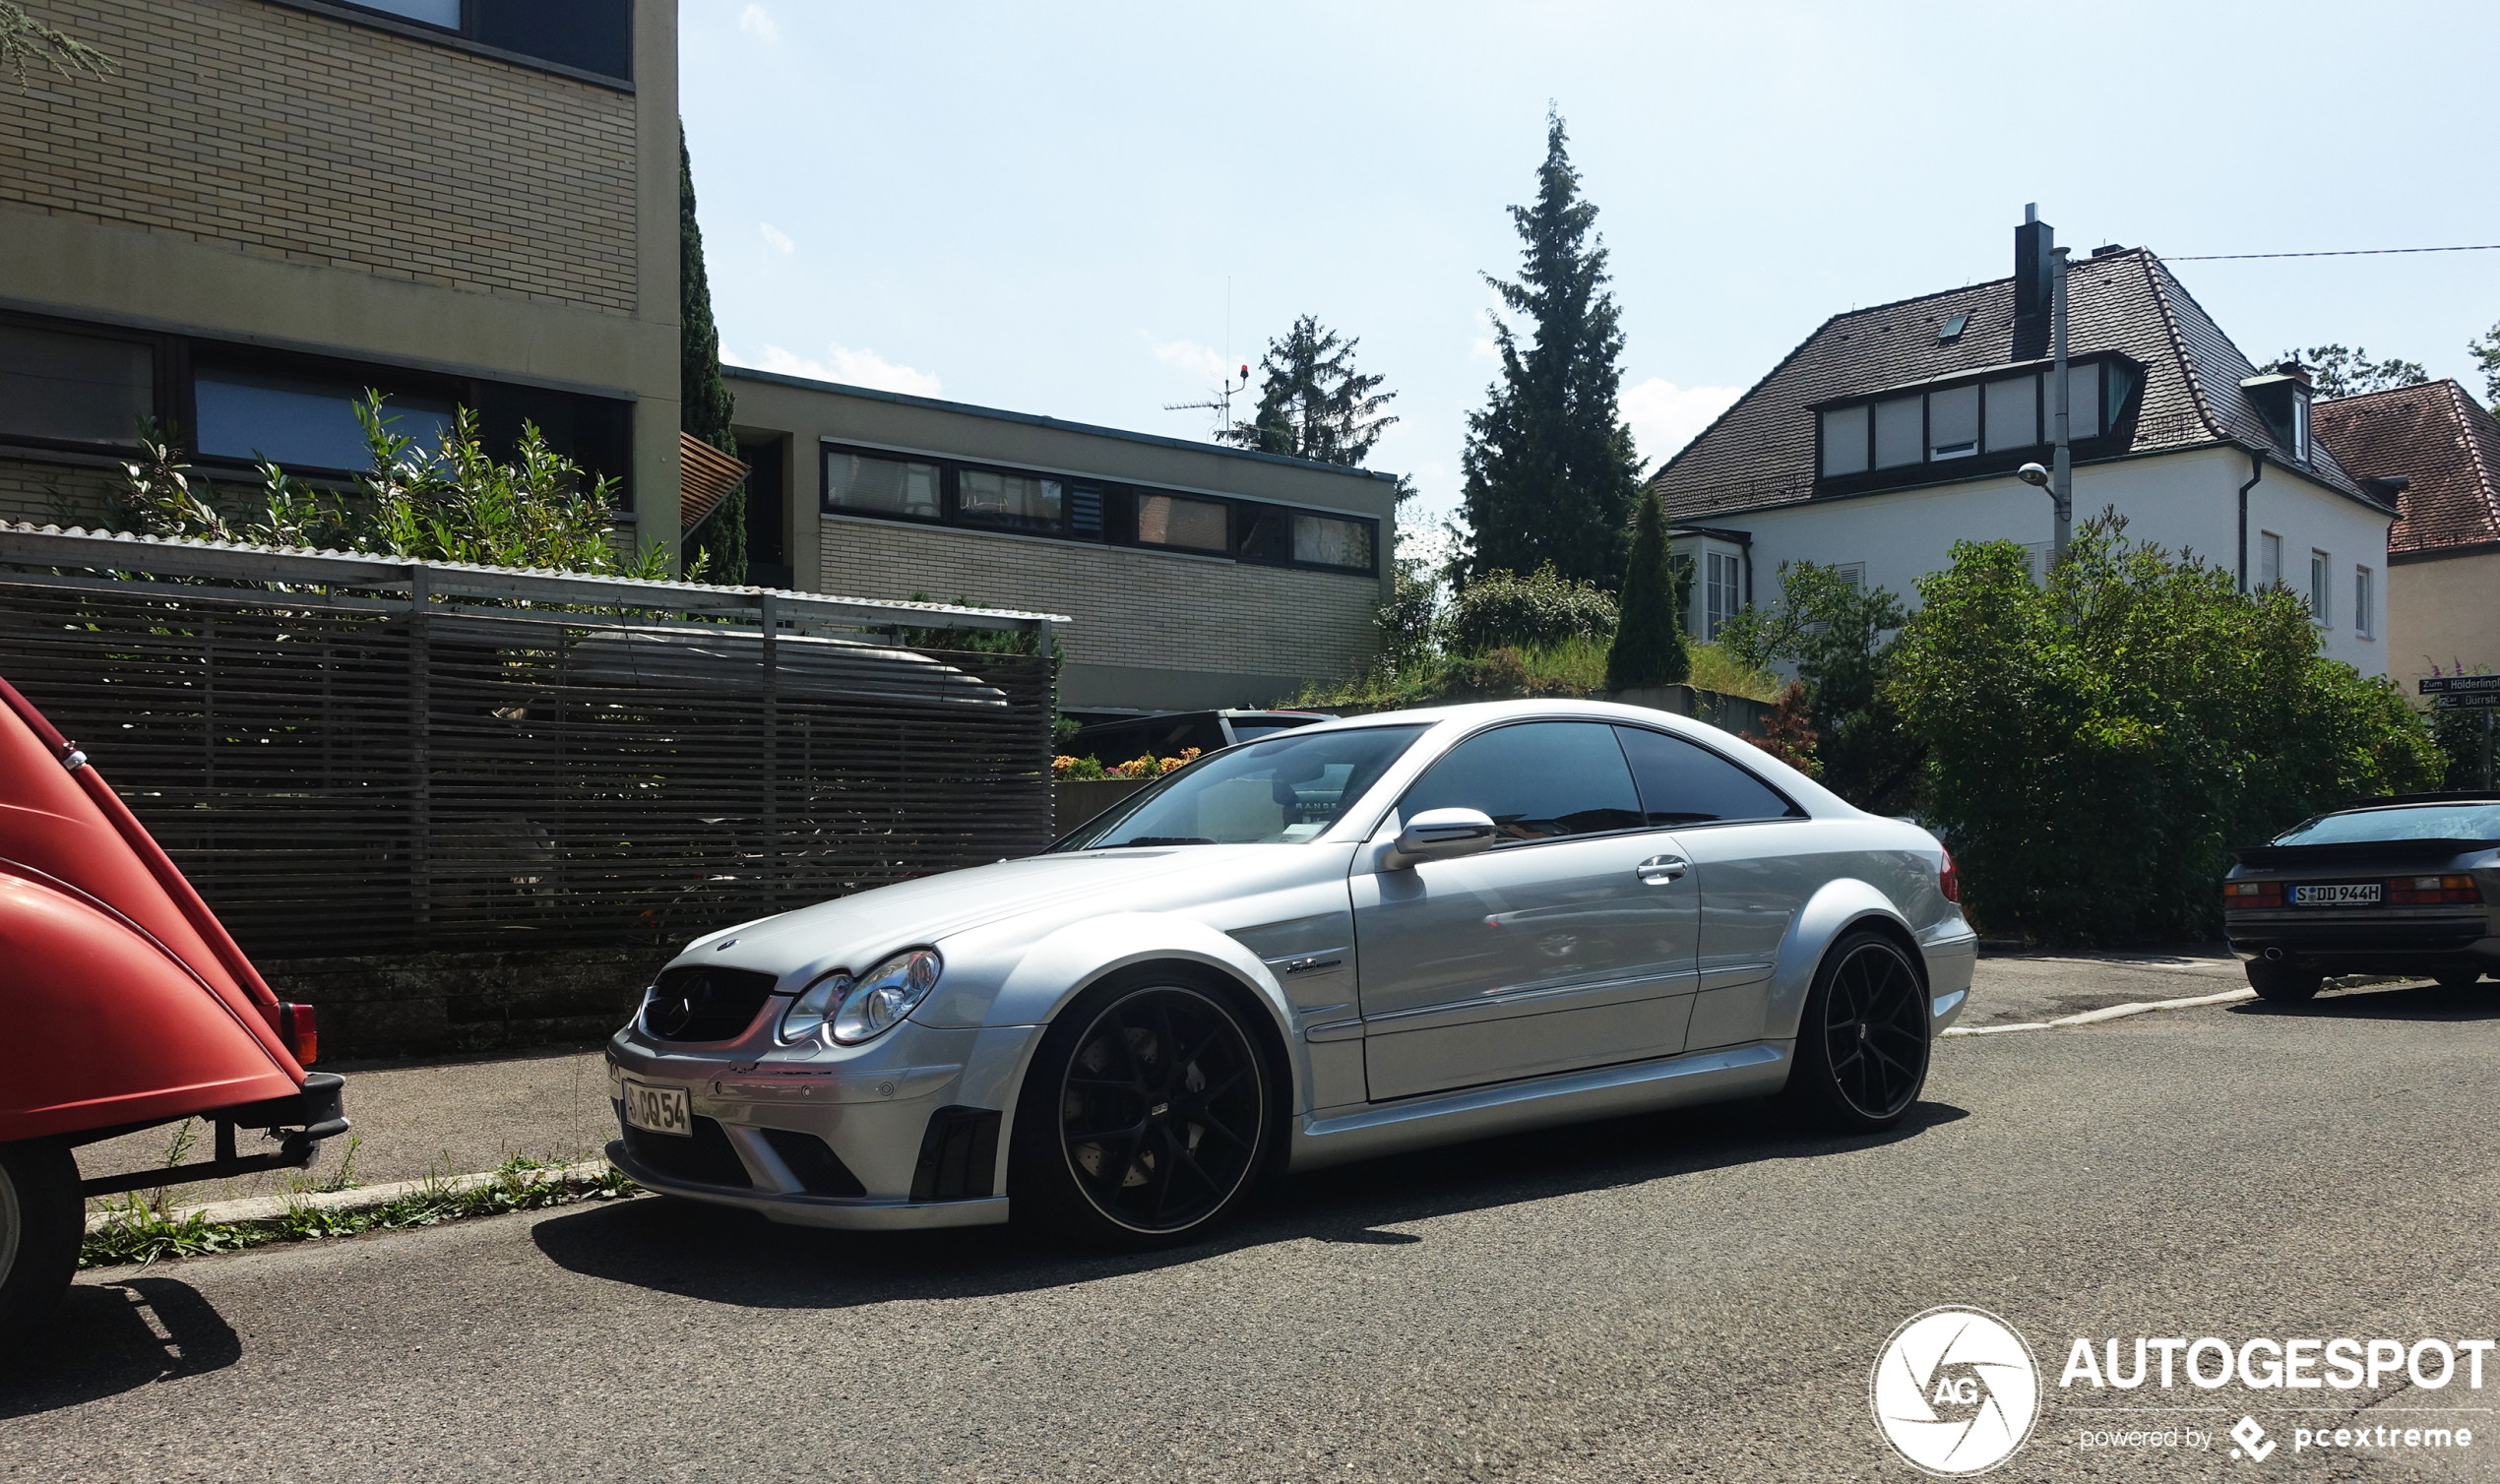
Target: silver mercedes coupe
point(1349, 940)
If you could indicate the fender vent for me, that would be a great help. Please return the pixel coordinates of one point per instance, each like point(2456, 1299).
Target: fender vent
point(957, 1155)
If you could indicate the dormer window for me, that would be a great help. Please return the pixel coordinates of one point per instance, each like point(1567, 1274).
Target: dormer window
point(1968, 417)
point(2281, 396)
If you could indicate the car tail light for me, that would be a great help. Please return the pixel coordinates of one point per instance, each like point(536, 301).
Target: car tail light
point(1949, 880)
point(2433, 891)
point(2240, 896)
point(297, 1027)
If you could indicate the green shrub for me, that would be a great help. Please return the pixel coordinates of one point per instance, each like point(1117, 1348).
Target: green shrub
point(1649, 641)
point(1504, 609)
point(1837, 635)
point(2098, 748)
point(1717, 668)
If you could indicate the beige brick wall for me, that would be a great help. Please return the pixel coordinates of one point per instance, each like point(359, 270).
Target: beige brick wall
point(54, 494)
point(302, 138)
point(1128, 607)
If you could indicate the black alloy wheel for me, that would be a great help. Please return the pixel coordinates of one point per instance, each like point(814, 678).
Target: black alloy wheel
point(2284, 983)
point(42, 1220)
point(2457, 978)
point(1862, 1045)
point(1153, 1119)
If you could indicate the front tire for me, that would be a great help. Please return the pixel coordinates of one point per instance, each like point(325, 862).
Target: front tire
point(2286, 982)
point(1146, 1117)
point(1862, 1045)
point(42, 1221)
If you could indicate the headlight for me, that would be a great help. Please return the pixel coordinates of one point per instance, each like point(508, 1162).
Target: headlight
point(865, 1008)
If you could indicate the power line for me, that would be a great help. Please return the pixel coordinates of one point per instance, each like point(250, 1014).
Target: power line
point(2350, 252)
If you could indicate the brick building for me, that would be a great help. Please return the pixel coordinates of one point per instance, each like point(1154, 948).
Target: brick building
point(1196, 574)
point(275, 203)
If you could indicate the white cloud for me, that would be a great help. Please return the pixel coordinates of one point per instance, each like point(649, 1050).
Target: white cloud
point(757, 21)
point(779, 239)
point(853, 368)
point(1480, 347)
point(1664, 416)
point(1199, 361)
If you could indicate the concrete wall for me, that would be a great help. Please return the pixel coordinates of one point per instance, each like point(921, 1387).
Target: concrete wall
point(2187, 502)
point(2444, 611)
point(1151, 628)
point(261, 174)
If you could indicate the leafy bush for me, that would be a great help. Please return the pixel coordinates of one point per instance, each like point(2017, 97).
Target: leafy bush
point(1067, 769)
point(1504, 609)
point(1789, 733)
point(1836, 634)
point(2459, 736)
point(2098, 747)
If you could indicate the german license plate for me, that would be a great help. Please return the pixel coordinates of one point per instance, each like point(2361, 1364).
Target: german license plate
point(2339, 893)
point(661, 1110)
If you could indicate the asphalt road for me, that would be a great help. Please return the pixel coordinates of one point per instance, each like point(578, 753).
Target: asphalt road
point(1692, 1295)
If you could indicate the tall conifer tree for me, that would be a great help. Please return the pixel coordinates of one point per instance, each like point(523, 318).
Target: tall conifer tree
point(1312, 401)
point(1550, 469)
point(1648, 640)
point(706, 406)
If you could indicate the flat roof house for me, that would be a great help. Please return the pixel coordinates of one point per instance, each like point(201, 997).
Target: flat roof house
point(1197, 575)
point(1895, 431)
point(275, 203)
point(2443, 554)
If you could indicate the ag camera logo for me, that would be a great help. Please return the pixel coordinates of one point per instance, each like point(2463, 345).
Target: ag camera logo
point(1956, 1391)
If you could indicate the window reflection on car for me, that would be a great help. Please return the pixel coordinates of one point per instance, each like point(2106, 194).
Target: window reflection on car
point(2459, 820)
point(1284, 792)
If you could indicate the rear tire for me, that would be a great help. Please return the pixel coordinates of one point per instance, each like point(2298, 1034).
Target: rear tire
point(2457, 978)
point(1146, 1119)
point(1864, 1041)
point(42, 1221)
point(2285, 983)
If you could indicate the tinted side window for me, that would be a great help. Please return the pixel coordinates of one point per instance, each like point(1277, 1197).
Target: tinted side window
point(1538, 780)
point(1685, 784)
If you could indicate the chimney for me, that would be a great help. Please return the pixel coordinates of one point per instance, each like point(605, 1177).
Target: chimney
point(2296, 371)
point(2031, 264)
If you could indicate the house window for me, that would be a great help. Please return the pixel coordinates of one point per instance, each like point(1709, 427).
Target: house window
point(1020, 502)
point(1171, 521)
point(2300, 425)
point(2361, 604)
point(442, 13)
point(300, 421)
point(884, 486)
point(74, 388)
point(2320, 596)
point(2270, 559)
point(1719, 594)
point(587, 35)
point(2083, 399)
point(2014, 412)
point(1845, 441)
point(1900, 431)
point(1853, 575)
point(2035, 556)
point(1324, 542)
point(1953, 423)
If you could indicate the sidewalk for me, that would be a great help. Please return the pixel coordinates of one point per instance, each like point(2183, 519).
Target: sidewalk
point(462, 1115)
point(414, 1119)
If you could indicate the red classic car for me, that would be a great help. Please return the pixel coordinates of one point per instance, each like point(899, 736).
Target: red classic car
point(127, 1006)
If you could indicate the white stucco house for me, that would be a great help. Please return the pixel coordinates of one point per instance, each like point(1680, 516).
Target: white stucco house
point(1894, 432)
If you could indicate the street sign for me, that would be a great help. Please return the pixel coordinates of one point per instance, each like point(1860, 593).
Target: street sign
point(2468, 700)
point(2450, 685)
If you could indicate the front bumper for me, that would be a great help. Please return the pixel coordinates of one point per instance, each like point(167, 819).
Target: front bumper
point(904, 1133)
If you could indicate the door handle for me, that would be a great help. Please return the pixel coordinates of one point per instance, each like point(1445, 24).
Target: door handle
point(1658, 870)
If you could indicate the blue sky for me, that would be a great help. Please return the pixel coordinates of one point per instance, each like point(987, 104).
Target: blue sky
point(1045, 210)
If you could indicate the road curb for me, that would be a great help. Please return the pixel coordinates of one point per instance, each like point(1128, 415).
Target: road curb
point(2107, 1013)
point(270, 1210)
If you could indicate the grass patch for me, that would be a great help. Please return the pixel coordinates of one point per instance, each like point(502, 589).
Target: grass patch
point(142, 1233)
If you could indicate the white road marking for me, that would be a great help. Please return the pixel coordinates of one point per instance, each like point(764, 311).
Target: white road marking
point(2107, 1013)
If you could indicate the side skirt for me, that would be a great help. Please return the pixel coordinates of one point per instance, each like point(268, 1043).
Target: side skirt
point(1700, 1077)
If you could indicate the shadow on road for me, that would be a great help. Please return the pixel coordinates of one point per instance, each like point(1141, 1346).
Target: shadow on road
point(727, 1256)
point(2400, 1001)
point(113, 1338)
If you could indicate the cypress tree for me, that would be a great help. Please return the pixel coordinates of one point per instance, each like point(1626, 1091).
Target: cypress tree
point(1312, 401)
point(1549, 464)
point(706, 406)
point(1649, 641)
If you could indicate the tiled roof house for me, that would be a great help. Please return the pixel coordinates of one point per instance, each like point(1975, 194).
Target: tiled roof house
point(1895, 431)
point(2443, 554)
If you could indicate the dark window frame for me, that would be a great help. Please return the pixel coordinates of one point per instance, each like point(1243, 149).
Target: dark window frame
point(2111, 367)
point(163, 350)
point(466, 38)
point(1118, 529)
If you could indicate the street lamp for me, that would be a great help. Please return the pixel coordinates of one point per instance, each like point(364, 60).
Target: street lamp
point(2059, 478)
